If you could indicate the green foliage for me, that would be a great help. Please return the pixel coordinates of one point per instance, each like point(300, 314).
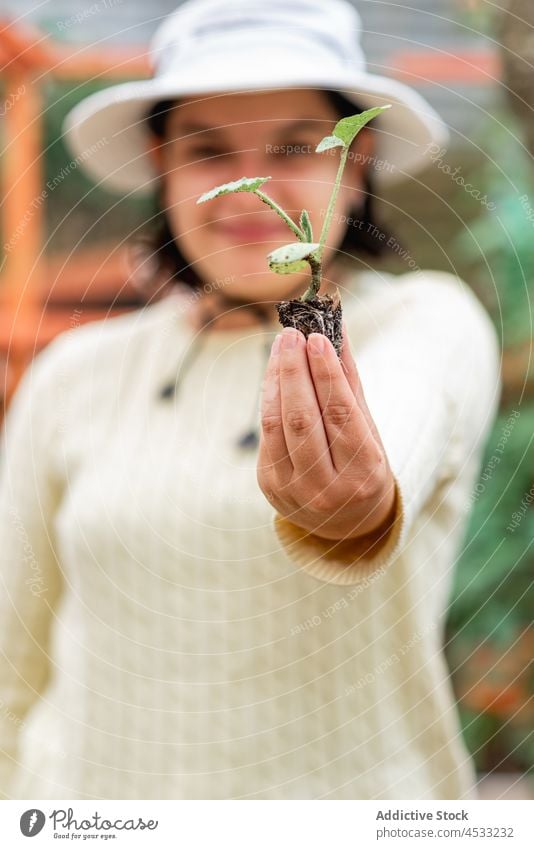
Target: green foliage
point(76, 210)
point(348, 128)
point(494, 572)
point(499, 244)
point(245, 184)
point(490, 634)
point(306, 226)
point(328, 143)
point(291, 258)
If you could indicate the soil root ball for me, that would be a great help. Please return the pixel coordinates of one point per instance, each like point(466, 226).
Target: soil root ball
point(320, 315)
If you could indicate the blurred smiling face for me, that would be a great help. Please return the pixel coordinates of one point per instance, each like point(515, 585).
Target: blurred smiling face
point(215, 140)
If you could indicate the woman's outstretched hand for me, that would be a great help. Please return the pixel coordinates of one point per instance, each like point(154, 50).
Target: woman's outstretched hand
point(321, 462)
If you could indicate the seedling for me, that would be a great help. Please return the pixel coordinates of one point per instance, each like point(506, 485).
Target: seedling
point(312, 312)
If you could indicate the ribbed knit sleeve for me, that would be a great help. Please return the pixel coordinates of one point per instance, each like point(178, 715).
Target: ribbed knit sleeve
point(429, 366)
point(30, 577)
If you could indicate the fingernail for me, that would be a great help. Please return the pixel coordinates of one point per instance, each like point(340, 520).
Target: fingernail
point(316, 341)
point(290, 337)
point(275, 350)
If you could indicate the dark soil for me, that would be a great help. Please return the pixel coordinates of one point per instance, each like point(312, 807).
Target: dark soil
point(320, 315)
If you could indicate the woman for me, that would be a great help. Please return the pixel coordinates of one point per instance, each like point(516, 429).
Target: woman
point(188, 613)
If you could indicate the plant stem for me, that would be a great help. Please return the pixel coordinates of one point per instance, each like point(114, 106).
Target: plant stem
point(301, 236)
point(332, 202)
point(315, 284)
point(315, 259)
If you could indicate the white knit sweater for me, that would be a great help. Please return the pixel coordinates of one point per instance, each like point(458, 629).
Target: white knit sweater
point(165, 634)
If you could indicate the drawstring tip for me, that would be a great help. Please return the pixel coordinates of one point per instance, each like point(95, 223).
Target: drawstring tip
point(167, 391)
point(249, 440)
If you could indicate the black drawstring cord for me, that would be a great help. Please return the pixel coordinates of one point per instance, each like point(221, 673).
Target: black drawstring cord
point(171, 389)
point(251, 438)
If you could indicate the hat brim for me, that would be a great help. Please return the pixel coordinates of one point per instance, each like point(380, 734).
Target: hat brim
point(107, 131)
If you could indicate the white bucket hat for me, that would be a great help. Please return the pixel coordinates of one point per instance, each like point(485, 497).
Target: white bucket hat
point(213, 46)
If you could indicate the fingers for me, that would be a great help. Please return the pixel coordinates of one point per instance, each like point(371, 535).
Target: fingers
point(351, 440)
point(348, 365)
point(273, 454)
point(315, 422)
point(353, 378)
point(301, 415)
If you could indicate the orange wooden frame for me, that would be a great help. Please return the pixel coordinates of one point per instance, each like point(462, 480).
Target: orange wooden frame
point(27, 58)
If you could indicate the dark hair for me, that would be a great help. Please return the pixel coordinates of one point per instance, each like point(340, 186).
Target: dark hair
point(368, 238)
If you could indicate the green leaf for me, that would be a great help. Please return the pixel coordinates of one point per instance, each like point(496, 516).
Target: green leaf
point(348, 128)
point(305, 225)
point(291, 257)
point(328, 142)
point(245, 184)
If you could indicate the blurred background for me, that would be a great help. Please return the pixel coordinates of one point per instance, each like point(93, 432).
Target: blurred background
point(64, 261)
